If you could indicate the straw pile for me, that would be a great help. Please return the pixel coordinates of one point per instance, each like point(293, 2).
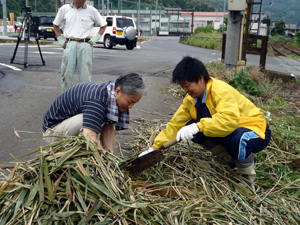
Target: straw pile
point(73, 183)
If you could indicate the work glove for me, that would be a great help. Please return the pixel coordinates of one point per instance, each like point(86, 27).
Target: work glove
point(94, 39)
point(187, 132)
point(146, 152)
point(62, 42)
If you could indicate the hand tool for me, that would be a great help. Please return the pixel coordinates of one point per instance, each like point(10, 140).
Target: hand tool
point(144, 162)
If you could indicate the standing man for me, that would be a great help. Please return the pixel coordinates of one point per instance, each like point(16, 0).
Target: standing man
point(78, 21)
point(217, 116)
point(95, 109)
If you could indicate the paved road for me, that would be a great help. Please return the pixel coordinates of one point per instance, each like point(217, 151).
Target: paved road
point(27, 93)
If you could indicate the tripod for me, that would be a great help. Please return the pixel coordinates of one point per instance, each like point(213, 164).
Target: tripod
point(26, 27)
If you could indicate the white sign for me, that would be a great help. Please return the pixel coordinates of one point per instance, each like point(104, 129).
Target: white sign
point(9, 29)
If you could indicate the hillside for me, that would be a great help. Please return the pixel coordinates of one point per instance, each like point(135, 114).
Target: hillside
point(286, 10)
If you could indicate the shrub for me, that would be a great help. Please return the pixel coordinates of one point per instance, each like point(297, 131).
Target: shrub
point(207, 29)
point(241, 81)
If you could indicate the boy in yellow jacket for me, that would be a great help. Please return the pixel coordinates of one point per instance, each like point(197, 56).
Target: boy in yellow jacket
point(217, 116)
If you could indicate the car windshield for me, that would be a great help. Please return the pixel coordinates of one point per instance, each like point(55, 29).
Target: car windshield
point(123, 22)
point(46, 20)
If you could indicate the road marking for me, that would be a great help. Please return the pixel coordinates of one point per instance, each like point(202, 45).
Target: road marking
point(11, 67)
point(52, 53)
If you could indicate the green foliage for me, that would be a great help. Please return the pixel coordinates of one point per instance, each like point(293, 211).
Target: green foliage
point(202, 42)
point(206, 29)
point(225, 23)
point(279, 28)
point(298, 38)
point(267, 21)
point(16, 6)
point(242, 82)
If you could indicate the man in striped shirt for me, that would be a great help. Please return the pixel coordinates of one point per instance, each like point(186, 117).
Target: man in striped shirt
point(94, 108)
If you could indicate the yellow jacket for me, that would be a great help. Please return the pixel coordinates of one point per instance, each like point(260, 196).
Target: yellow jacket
point(229, 110)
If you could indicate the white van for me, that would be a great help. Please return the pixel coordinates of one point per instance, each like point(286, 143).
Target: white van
point(120, 30)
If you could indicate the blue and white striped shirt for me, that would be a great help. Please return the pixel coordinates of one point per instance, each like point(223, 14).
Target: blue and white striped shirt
point(90, 98)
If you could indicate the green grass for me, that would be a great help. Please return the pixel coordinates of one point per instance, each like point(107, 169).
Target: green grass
point(205, 40)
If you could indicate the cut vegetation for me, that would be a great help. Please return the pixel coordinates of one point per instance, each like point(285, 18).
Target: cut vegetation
point(70, 182)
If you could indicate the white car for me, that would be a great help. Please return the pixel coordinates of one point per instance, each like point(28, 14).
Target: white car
point(120, 30)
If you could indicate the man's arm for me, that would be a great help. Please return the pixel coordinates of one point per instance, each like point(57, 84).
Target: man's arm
point(102, 29)
point(56, 30)
point(107, 137)
point(95, 38)
point(92, 134)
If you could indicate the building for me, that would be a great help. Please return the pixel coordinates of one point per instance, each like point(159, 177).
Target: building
point(162, 22)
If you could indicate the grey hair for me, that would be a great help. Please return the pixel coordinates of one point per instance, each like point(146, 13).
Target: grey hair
point(131, 83)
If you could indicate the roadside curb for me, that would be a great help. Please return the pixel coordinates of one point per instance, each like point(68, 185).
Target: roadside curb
point(7, 39)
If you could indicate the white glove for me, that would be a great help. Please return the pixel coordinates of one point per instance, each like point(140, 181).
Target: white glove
point(187, 132)
point(94, 39)
point(62, 42)
point(146, 152)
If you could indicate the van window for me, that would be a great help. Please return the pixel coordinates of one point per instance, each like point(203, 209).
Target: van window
point(109, 21)
point(123, 22)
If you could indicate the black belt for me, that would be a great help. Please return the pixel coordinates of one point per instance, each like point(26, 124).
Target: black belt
point(78, 40)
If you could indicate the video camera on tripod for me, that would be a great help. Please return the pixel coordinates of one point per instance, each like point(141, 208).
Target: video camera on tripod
point(26, 22)
point(26, 9)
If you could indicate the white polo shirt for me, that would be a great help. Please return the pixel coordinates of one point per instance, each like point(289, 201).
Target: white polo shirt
point(78, 23)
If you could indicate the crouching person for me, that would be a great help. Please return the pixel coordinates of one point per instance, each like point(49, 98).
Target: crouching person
point(217, 116)
point(95, 109)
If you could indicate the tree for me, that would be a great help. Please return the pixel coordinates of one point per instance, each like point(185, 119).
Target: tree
point(279, 27)
point(298, 38)
point(267, 21)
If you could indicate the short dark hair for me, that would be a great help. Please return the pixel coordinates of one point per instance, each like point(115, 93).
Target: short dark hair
point(131, 83)
point(189, 69)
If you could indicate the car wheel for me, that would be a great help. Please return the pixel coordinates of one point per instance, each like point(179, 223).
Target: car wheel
point(129, 46)
point(107, 42)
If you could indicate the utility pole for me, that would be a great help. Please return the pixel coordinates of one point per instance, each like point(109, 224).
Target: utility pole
point(270, 28)
point(138, 17)
point(119, 6)
point(223, 16)
point(3, 2)
point(103, 7)
point(107, 8)
point(234, 37)
point(155, 17)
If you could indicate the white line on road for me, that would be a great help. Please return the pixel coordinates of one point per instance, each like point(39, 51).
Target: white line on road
point(52, 53)
point(11, 67)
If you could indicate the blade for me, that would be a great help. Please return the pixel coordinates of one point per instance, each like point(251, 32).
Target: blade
point(146, 161)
